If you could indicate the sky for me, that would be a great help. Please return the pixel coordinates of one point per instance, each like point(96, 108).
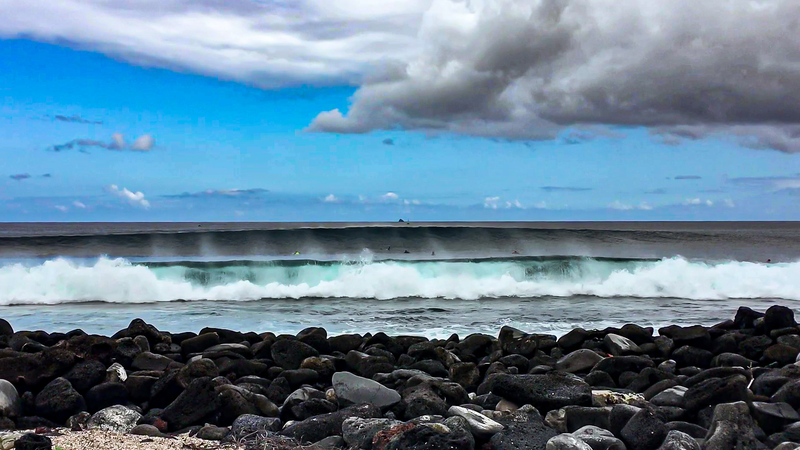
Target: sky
point(425, 110)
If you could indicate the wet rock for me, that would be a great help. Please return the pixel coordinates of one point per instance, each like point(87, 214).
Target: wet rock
point(688, 356)
point(753, 347)
point(480, 425)
point(782, 354)
point(59, 400)
point(731, 360)
point(152, 361)
point(198, 368)
point(248, 424)
point(598, 438)
point(677, 440)
point(32, 371)
point(212, 433)
point(772, 417)
point(777, 317)
point(368, 365)
point(79, 422)
point(316, 337)
point(544, 392)
point(344, 343)
point(86, 374)
point(788, 393)
point(617, 365)
point(581, 360)
point(32, 441)
point(673, 396)
point(644, 431)
point(732, 427)
point(319, 427)
point(693, 430)
point(139, 327)
point(290, 353)
point(146, 430)
point(619, 345)
point(466, 374)
point(199, 343)
point(695, 336)
point(198, 401)
point(523, 436)
point(566, 442)
point(10, 403)
point(358, 433)
point(118, 419)
point(353, 389)
point(716, 390)
point(421, 400)
point(105, 394)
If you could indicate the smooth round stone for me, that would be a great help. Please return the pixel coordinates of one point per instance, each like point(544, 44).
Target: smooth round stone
point(356, 390)
point(480, 425)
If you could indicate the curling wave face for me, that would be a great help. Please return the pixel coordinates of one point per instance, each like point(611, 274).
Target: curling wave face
point(122, 281)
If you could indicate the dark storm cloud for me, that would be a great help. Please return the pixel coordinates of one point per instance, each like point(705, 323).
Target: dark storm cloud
point(523, 70)
point(20, 176)
point(658, 191)
point(791, 182)
point(76, 119)
point(564, 189)
point(388, 141)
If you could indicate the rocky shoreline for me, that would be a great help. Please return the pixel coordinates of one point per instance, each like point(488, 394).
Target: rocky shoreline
point(734, 385)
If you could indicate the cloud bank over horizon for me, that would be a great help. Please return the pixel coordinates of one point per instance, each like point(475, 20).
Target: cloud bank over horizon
point(508, 69)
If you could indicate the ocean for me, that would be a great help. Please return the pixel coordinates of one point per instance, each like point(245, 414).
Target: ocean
point(431, 279)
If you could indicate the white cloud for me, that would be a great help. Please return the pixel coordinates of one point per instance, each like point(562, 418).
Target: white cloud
point(78, 204)
point(330, 198)
point(143, 143)
point(729, 203)
point(61, 208)
point(698, 201)
point(118, 141)
point(134, 198)
point(389, 196)
point(491, 202)
point(620, 206)
point(411, 202)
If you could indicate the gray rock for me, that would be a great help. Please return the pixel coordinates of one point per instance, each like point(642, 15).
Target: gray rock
point(533, 434)
point(79, 422)
point(330, 443)
point(59, 400)
point(152, 361)
point(677, 440)
point(673, 396)
point(598, 438)
point(581, 360)
point(319, 427)
point(196, 402)
point(544, 392)
point(566, 442)
point(731, 427)
point(10, 405)
point(772, 417)
point(248, 424)
point(146, 430)
point(212, 433)
point(116, 373)
point(118, 419)
point(353, 389)
point(480, 425)
point(787, 446)
point(620, 345)
point(358, 432)
point(644, 431)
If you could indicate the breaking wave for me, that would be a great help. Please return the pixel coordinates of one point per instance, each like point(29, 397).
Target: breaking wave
point(122, 281)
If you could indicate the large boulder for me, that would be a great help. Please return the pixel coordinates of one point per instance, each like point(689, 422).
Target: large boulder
point(117, 418)
point(581, 360)
point(104, 395)
point(319, 427)
point(778, 317)
point(644, 431)
point(59, 400)
point(480, 425)
point(544, 392)
point(358, 433)
point(198, 401)
point(732, 427)
point(10, 405)
point(290, 353)
point(716, 390)
point(86, 374)
point(31, 371)
point(353, 389)
point(427, 434)
point(529, 435)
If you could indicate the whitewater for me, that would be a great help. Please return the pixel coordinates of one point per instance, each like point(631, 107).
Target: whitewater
point(119, 280)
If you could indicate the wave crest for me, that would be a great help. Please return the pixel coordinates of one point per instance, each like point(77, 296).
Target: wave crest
point(120, 281)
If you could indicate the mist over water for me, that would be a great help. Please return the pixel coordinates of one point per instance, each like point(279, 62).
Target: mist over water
point(429, 280)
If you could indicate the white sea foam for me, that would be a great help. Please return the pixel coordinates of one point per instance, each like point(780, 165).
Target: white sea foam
point(120, 281)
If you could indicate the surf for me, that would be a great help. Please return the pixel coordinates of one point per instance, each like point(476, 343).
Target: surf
point(119, 280)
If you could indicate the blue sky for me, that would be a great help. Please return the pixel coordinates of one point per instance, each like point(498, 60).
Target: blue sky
point(160, 141)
